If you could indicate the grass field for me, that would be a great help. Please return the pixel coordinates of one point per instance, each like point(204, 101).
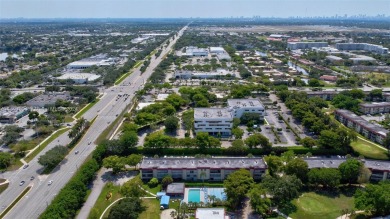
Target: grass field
point(44, 144)
point(102, 203)
point(152, 190)
point(152, 209)
point(320, 206)
point(369, 150)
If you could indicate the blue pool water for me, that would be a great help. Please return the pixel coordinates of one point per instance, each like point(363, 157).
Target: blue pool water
point(194, 195)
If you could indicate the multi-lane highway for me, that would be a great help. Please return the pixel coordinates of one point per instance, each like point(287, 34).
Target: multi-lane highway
point(106, 110)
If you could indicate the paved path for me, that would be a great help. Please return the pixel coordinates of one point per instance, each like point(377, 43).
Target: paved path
point(166, 214)
point(346, 216)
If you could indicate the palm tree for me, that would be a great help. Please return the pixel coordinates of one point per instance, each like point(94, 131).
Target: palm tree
point(173, 214)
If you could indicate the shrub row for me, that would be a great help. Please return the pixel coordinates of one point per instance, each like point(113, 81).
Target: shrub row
point(71, 197)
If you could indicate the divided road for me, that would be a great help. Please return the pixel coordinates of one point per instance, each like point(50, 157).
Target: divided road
point(106, 110)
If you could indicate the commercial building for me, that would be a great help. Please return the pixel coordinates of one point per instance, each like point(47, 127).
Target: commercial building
point(98, 60)
point(334, 58)
point(213, 121)
point(223, 56)
point(219, 73)
point(195, 169)
point(210, 213)
point(374, 108)
point(220, 120)
point(217, 50)
point(305, 45)
point(79, 78)
point(241, 106)
point(380, 170)
point(195, 51)
point(374, 132)
point(11, 114)
point(362, 46)
point(47, 99)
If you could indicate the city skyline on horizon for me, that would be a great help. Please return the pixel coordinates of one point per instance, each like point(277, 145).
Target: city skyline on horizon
point(190, 8)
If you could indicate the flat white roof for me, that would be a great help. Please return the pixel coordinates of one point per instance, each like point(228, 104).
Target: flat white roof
point(210, 213)
point(90, 77)
point(143, 105)
point(162, 97)
point(212, 113)
point(244, 103)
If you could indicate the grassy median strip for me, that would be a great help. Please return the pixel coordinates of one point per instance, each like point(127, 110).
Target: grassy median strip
point(15, 201)
point(86, 108)
point(44, 144)
point(122, 78)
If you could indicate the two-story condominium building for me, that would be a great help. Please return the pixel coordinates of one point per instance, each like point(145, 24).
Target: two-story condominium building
point(374, 108)
point(380, 170)
point(369, 130)
point(213, 121)
point(326, 95)
point(194, 169)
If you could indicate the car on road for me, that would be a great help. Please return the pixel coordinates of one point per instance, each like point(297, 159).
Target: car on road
point(21, 183)
point(68, 124)
point(89, 143)
point(25, 166)
point(32, 178)
point(76, 152)
point(50, 182)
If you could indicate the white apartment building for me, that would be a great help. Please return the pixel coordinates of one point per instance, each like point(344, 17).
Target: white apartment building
point(219, 73)
point(305, 45)
point(374, 108)
point(195, 51)
point(220, 120)
point(217, 50)
point(213, 121)
point(362, 46)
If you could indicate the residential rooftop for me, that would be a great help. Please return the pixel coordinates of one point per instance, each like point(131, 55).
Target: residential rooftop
point(197, 163)
point(175, 188)
point(335, 161)
point(377, 104)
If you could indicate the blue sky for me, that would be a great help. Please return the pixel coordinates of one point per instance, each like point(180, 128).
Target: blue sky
point(187, 8)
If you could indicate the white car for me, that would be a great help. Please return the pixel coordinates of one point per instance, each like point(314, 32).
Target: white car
point(50, 182)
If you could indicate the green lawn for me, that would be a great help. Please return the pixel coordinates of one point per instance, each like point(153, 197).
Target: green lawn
point(320, 206)
point(102, 203)
point(369, 150)
point(152, 209)
point(44, 144)
point(85, 109)
point(152, 190)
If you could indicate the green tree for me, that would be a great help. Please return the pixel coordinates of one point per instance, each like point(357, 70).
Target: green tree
point(327, 177)
point(5, 160)
point(238, 147)
point(374, 198)
point(158, 140)
point(283, 189)
point(128, 208)
point(116, 163)
point(133, 159)
point(132, 188)
point(128, 140)
point(53, 157)
point(238, 133)
point(171, 123)
point(166, 181)
point(258, 140)
point(176, 101)
point(153, 182)
point(297, 167)
point(259, 201)
point(274, 164)
point(350, 170)
point(33, 115)
point(237, 185)
point(308, 142)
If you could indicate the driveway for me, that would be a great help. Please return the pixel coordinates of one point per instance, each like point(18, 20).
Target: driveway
point(166, 214)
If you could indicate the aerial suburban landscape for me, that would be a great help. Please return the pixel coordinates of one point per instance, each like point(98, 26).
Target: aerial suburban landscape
point(189, 110)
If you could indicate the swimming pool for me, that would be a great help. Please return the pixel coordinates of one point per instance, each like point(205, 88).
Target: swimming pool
point(194, 195)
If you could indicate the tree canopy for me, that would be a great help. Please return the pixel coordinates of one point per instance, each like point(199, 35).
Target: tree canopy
point(237, 185)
